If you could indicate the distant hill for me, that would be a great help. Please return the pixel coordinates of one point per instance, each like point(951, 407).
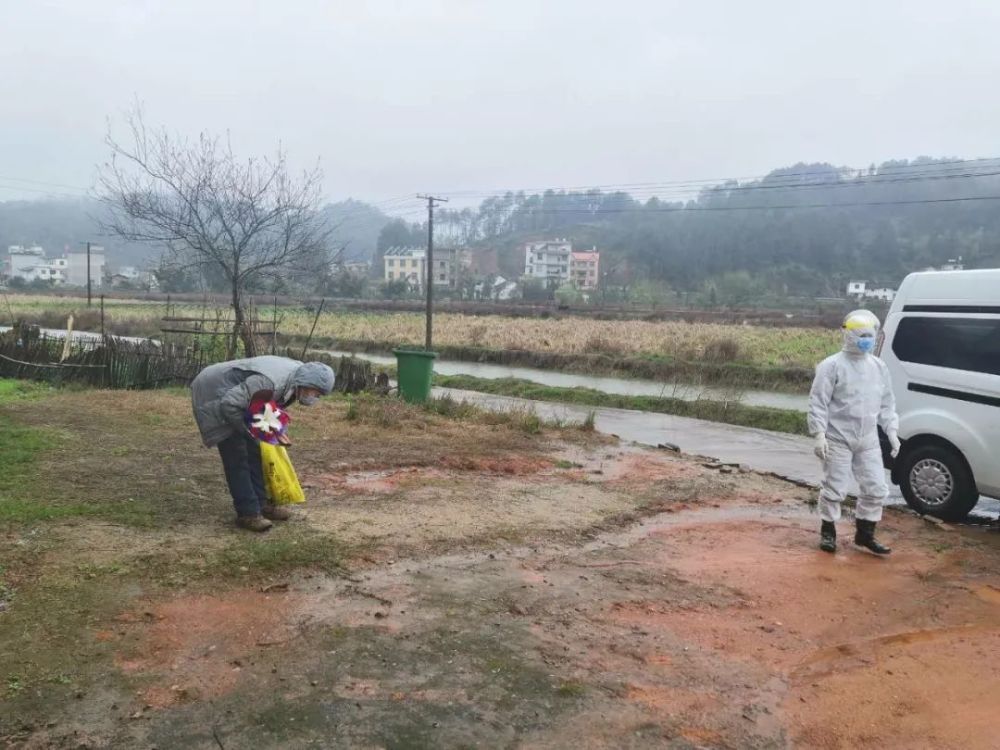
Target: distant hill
point(63, 224)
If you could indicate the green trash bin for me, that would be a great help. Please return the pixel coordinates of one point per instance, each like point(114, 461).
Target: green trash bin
point(414, 368)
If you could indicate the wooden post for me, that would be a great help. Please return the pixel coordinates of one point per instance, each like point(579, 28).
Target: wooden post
point(274, 327)
point(315, 321)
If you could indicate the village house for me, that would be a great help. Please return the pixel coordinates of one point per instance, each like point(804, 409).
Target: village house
point(409, 264)
point(860, 290)
point(583, 269)
point(31, 264)
point(555, 262)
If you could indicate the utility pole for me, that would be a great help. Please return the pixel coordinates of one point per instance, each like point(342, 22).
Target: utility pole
point(88, 272)
point(429, 269)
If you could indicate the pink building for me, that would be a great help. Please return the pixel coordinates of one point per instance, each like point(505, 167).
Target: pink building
point(583, 269)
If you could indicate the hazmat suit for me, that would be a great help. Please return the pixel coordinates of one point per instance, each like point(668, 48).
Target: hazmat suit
point(851, 398)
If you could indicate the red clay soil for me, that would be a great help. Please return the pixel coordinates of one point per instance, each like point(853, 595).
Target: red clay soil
point(719, 625)
point(874, 652)
point(193, 647)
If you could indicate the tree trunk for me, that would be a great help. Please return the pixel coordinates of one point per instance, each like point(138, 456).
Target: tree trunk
point(241, 328)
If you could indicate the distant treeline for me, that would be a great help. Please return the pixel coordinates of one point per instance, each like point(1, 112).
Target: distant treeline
point(800, 230)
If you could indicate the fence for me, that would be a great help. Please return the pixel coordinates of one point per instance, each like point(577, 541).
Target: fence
point(110, 362)
point(105, 362)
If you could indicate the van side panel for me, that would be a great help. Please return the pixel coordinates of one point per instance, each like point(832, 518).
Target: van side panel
point(961, 406)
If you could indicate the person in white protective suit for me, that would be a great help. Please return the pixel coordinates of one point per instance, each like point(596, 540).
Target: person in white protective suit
point(850, 398)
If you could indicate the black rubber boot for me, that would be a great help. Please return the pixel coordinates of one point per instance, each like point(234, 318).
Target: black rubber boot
point(828, 536)
point(865, 537)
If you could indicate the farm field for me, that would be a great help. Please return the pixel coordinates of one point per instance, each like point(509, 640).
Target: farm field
point(460, 579)
point(692, 342)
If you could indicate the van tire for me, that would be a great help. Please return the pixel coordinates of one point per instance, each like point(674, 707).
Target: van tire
point(947, 464)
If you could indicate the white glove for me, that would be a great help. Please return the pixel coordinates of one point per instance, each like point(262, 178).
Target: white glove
point(821, 448)
point(894, 442)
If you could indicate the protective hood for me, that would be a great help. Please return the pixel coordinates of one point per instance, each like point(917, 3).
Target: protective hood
point(860, 332)
point(314, 375)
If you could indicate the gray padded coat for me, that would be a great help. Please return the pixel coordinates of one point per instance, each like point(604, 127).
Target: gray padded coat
point(221, 393)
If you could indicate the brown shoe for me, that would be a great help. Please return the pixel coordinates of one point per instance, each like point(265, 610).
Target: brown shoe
point(276, 512)
point(253, 523)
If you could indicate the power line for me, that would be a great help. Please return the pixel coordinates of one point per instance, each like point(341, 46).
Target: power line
point(8, 178)
point(929, 168)
point(735, 189)
point(22, 189)
point(701, 209)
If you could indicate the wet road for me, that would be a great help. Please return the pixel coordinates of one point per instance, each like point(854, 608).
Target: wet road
point(789, 456)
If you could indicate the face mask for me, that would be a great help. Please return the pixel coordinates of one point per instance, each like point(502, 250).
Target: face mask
point(866, 345)
point(308, 400)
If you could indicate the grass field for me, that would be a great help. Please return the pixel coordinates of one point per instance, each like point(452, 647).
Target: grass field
point(693, 342)
point(778, 420)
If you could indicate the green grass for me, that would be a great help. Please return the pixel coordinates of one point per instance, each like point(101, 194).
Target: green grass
point(268, 554)
point(12, 391)
point(20, 446)
point(571, 689)
point(16, 510)
point(23, 450)
point(777, 420)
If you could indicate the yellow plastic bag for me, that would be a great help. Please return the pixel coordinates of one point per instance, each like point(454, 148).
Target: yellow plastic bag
point(280, 480)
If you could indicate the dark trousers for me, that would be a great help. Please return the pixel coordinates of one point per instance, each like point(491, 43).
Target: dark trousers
point(244, 473)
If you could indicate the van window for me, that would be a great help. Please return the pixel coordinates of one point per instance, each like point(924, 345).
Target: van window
point(971, 344)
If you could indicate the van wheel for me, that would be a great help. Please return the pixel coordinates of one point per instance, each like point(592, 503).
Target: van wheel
point(937, 482)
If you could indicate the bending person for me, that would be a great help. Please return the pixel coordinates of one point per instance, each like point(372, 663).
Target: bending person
point(221, 395)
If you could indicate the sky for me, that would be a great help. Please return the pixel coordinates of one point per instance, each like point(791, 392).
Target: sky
point(466, 97)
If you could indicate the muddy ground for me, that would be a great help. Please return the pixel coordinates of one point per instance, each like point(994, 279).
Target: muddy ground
point(456, 583)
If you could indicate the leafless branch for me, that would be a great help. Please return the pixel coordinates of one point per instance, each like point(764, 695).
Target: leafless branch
point(248, 219)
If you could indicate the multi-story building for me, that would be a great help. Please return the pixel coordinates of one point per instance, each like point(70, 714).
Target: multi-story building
point(405, 264)
point(77, 269)
point(584, 269)
point(409, 264)
point(30, 264)
point(555, 262)
point(548, 260)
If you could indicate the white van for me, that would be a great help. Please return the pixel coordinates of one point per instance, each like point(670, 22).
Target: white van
point(941, 342)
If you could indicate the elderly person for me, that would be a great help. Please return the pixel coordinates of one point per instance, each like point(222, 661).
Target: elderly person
point(222, 393)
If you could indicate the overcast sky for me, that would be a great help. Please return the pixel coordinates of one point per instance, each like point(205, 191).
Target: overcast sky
point(469, 95)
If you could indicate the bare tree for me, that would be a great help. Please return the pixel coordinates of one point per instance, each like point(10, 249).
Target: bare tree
point(248, 219)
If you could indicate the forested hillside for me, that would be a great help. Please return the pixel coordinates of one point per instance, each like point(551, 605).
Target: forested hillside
point(801, 229)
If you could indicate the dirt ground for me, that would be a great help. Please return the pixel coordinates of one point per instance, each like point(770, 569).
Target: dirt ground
point(493, 588)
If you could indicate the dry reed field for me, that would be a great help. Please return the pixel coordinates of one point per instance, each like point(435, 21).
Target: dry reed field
point(758, 345)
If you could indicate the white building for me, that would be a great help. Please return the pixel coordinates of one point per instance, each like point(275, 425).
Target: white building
point(497, 288)
point(861, 291)
point(77, 275)
point(885, 294)
point(548, 260)
point(30, 264)
point(953, 264)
